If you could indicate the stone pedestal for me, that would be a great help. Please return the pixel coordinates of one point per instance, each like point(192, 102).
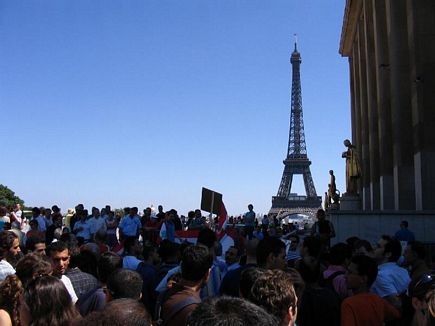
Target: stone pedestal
point(350, 202)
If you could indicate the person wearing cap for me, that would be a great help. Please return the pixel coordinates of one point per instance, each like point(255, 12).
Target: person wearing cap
point(420, 296)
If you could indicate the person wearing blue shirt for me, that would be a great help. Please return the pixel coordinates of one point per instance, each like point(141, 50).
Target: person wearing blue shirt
point(130, 224)
point(404, 234)
point(249, 221)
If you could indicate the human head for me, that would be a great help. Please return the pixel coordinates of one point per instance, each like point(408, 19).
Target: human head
point(331, 172)
point(133, 211)
point(11, 290)
point(387, 250)
point(362, 272)
point(169, 251)
point(36, 244)
point(363, 247)
point(196, 263)
point(3, 211)
point(132, 246)
point(227, 311)
point(55, 209)
point(119, 312)
point(36, 212)
point(47, 212)
point(320, 214)
point(59, 253)
point(232, 255)
point(108, 263)
point(124, 283)
point(271, 253)
point(207, 238)
point(250, 207)
point(31, 266)
point(339, 254)
point(404, 224)
point(311, 246)
point(34, 224)
point(9, 245)
point(49, 302)
point(421, 294)
point(347, 142)
point(247, 280)
point(414, 251)
point(273, 290)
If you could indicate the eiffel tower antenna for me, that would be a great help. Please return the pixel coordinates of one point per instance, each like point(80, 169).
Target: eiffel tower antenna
point(297, 161)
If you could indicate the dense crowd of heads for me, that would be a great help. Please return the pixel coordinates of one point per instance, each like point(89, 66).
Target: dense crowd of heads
point(104, 269)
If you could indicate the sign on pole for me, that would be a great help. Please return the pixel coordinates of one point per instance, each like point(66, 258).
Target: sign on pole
point(211, 201)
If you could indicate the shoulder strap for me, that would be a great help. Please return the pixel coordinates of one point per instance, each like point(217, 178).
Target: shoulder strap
point(180, 306)
point(334, 275)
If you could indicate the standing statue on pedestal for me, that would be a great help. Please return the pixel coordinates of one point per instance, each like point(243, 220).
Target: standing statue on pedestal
point(353, 168)
point(333, 195)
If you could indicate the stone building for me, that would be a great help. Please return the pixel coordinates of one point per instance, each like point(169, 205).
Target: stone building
point(390, 45)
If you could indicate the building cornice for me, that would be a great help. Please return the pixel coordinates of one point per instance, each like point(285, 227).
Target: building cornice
point(352, 13)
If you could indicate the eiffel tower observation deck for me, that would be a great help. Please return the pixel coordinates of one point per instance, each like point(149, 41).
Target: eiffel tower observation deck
point(296, 162)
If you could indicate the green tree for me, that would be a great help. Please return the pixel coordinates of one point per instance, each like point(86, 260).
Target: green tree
point(8, 197)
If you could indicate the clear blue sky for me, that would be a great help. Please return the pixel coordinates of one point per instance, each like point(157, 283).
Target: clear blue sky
point(134, 103)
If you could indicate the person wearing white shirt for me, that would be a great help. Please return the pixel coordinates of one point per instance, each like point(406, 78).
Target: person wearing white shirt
point(96, 222)
point(82, 228)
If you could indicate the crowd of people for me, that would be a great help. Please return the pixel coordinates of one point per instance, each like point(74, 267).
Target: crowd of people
point(99, 268)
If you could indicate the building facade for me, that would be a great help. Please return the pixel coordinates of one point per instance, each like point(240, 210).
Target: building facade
point(390, 45)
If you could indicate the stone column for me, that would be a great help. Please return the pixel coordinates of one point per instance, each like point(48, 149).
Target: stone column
point(364, 149)
point(403, 157)
point(356, 105)
point(421, 39)
point(382, 65)
point(372, 108)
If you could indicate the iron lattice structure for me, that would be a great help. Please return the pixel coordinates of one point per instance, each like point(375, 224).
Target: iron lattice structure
point(297, 161)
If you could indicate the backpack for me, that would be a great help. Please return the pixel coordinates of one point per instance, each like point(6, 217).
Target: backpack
point(159, 320)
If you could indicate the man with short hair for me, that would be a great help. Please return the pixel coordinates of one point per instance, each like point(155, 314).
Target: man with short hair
point(415, 255)
point(36, 244)
point(249, 221)
point(59, 254)
point(37, 215)
point(82, 228)
point(404, 234)
point(178, 302)
point(392, 280)
point(273, 290)
point(227, 311)
point(96, 222)
point(130, 225)
point(232, 258)
point(271, 253)
point(365, 307)
point(231, 282)
point(124, 283)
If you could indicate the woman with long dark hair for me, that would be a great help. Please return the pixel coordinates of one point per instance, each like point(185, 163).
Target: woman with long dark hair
point(49, 303)
point(11, 290)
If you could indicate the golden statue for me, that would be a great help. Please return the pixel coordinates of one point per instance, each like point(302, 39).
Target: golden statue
point(353, 168)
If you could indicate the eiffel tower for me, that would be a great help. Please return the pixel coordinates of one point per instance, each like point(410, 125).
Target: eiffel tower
point(297, 161)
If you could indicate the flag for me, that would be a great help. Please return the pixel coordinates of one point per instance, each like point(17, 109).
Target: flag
point(163, 234)
point(223, 220)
